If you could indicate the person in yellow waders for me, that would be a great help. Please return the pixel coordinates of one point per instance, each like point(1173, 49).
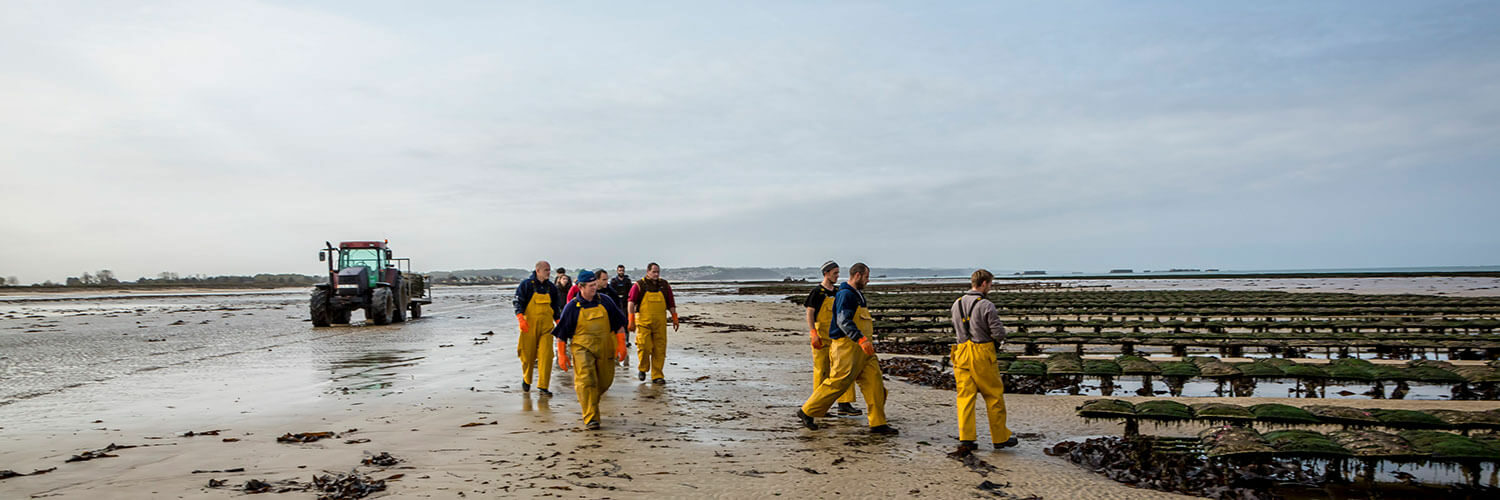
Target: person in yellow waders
point(590, 334)
point(819, 306)
point(978, 327)
point(538, 306)
point(852, 357)
point(650, 302)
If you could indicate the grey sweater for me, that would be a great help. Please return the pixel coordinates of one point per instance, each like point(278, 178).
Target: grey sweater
point(984, 320)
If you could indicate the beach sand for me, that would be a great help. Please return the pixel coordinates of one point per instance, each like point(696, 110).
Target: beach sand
point(722, 427)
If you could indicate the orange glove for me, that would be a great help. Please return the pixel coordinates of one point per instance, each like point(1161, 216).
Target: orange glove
point(631, 326)
point(620, 346)
point(521, 320)
point(674, 321)
point(867, 346)
point(817, 342)
point(562, 356)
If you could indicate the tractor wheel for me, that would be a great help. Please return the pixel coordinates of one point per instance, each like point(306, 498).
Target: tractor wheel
point(319, 307)
point(339, 317)
point(398, 310)
point(416, 311)
point(380, 306)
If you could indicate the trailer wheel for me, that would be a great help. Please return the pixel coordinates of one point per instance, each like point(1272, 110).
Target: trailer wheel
point(319, 308)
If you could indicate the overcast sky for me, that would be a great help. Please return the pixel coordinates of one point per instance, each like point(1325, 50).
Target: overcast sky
point(235, 137)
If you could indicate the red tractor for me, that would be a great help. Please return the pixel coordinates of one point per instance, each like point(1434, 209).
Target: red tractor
point(364, 275)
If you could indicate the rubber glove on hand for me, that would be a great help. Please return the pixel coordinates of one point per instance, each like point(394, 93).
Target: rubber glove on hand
point(674, 321)
point(562, 356)
point(867, 346)
point(521, 322)
point(620, 351)
point(631, 325)
point(817, 342)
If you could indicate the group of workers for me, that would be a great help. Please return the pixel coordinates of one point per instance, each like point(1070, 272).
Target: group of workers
point(589, 329)
point(590, 332)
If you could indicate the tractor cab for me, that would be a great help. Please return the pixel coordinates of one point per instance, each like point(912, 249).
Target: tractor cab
point(373, 256)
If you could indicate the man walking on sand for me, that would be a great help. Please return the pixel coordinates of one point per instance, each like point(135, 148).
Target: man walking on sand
point(852, 357)
point(588, 321)
point(819, 306)
point(538, 306)
point(650, 301)
point(978, 327)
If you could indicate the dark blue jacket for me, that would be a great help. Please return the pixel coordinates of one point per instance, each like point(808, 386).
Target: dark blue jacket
point(569, 321)
point(531, 286)
point(845, 305)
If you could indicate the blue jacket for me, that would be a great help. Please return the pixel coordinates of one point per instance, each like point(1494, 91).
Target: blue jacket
point(845, 305)
point(531, 286)
point(569, 321)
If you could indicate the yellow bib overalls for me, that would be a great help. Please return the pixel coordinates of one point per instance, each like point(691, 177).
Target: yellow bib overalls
point(593, 349)
point(975, 370)
point(651, 333)
point(535, 345)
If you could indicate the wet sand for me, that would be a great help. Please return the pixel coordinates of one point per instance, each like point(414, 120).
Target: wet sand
point(721, 427)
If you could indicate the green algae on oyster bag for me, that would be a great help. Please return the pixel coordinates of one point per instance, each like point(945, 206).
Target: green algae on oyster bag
point(1302, 370)
point(1459, 419)
point(1477, 373)
point(1368, 443)
point(1064, 363)
point(1106, 408)
point(1351, 369)
point(1407, 419)
point(1342, 415)
point(1178, 369)
point(1429, 373)
point(1303, 442)
point(1163, 409)
point(1101, 368)
point(1283, 414)
point(1221, 411)
point(1447, 445)
point(1004, 365)
point(1026, 367)
point(1260, 370)
point(1136, 365)
point(1220, 441)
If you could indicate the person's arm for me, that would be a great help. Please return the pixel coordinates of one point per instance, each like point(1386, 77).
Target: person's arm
point(666, 292)
point(523, 296)
point(572, 292)
point(616, 318)
point(844, 306)
point(557, 303)
point(635, 298)
point(992, 318)
point(813, 302)
point(567, 322)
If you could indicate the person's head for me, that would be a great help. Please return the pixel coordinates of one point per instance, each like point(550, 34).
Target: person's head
point(585, 284)
point(543, 269)
point(859, 275)
point(653, 271)
point(620, 269)
point(602, 277)
point(562, 271)
point(981, 280)
point(830, 272)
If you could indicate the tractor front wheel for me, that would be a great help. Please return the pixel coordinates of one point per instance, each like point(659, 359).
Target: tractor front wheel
point(319, 308)
point(416, 311)
point(381, 306)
